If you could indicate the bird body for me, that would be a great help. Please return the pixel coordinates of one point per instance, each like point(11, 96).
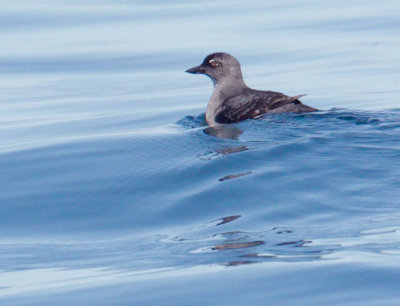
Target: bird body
point(232, 101)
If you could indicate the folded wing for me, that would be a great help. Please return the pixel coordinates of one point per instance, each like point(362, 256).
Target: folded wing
point(252, 104)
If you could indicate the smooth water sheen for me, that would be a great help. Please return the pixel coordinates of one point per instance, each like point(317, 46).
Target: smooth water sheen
point(113, 192)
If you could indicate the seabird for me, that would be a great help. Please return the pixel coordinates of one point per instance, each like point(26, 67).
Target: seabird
point(232, 101)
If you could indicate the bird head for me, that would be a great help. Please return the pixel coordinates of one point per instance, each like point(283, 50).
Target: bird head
point(219, 66)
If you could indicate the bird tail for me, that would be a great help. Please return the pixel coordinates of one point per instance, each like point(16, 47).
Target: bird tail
point(294, 98)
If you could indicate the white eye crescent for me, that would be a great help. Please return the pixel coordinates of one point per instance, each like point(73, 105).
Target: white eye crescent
point(214, 63)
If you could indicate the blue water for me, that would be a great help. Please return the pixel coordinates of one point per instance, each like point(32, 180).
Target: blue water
point(113, 192)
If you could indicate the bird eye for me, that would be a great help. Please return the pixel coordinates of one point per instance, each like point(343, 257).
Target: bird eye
point(214, 63)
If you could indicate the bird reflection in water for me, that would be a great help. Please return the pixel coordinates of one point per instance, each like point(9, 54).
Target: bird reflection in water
point(240, 245)
point(224, 131)
point(222, 152)
point(236, 247)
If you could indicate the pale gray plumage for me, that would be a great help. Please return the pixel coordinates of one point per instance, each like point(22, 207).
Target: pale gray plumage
point(233, 101)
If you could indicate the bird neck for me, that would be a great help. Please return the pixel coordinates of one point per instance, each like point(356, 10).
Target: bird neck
point(229, 86)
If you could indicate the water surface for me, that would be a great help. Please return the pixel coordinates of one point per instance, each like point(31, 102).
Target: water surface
point(112, 193)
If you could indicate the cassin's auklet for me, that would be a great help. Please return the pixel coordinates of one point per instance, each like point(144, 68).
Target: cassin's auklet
point(233, 101)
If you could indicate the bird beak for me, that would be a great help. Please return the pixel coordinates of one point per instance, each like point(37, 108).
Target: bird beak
point(196, 70)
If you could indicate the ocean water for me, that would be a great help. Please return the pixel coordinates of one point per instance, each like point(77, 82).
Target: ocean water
point(113, 192)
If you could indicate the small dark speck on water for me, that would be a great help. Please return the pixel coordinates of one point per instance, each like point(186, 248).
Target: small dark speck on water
point(229, 219)
point(232, 176)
